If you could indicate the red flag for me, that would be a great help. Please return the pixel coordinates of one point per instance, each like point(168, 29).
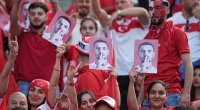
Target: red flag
point(110, 89)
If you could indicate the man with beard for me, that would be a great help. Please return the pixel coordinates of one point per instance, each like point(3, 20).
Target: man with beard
point(188, 20)
point(125, 25)
point(82, 11)
point(172, 49)
point(36, 55)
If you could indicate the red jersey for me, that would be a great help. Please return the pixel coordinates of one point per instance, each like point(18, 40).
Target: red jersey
point(172, 42)
point(36, 57)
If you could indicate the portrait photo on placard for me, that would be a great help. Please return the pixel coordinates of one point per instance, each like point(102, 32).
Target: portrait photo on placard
point(59, 29)
point(100, 53)
point(146, 56)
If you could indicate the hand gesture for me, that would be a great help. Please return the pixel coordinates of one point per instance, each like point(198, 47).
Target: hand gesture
point(113, 72)
point(133, 74)
point(13, 45)
point(60, 51)
point(113, 17)
point(64, 99)
point(72, 71)
point(75, 14)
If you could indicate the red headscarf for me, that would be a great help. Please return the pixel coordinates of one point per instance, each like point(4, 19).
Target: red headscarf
point(43, 84)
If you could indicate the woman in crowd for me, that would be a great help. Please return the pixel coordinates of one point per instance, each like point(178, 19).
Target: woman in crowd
point(86, 100)
point(41, 91)
point(195, 91)
point(157, 94)
point(37, 93)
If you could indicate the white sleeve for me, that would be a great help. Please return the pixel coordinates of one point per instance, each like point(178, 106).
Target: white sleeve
point(45, 106)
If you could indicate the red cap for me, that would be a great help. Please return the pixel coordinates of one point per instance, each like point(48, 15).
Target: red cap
point(43, 84)
point(83, 46)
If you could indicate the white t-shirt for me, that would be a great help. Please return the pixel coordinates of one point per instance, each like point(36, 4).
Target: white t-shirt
point(45, 106)
point(124, 33)
point(193, 33)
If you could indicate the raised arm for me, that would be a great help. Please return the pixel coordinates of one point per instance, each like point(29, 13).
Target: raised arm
point(113, 73)
point(4, 76)
point(15, 28)
point(141, 92)
point(55, 5)
point(70, 90)
point(100, 13)
point(55, 77)
point(185, 97)
point(131, 97)
point(141, 13)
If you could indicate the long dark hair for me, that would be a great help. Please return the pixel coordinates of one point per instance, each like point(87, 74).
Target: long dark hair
point(192, 93)
point(81, 93)
point(156, 82)
point(29, 105)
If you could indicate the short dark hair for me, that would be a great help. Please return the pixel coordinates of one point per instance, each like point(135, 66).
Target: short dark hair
point(145, 43)
point(100, 40)
point(196, 67)
point(38, 5)
point(81, 93)
point(64, 17)
point(90, 19)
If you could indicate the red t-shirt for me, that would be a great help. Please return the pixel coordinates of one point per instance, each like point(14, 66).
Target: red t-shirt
point(90, 79)
point(36, 57)
point(172, 43)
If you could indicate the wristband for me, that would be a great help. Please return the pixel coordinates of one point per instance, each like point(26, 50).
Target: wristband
point(70, 83)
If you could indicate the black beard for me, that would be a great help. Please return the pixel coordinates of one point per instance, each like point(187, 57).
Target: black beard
point(37, 26)
point(159, 22)
point(83, 15)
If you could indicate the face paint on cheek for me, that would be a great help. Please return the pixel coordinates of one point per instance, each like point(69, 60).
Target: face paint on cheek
point(159, 9)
